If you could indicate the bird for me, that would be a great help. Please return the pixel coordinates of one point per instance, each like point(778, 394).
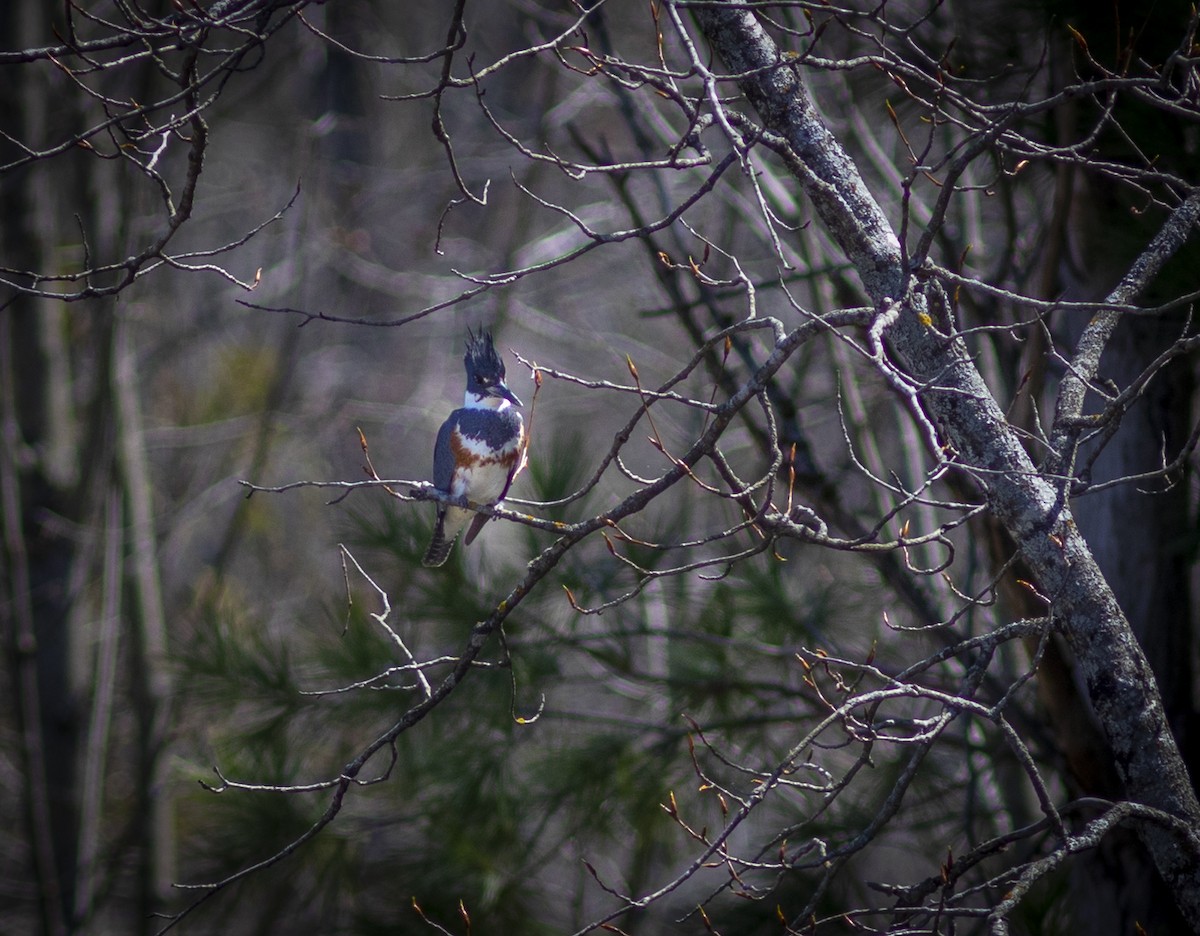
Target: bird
point(479, 450)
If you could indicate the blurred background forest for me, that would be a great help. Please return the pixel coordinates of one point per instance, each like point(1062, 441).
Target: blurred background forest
point(159, 623)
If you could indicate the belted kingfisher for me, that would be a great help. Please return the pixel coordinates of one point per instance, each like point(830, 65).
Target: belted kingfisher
point(479, 448)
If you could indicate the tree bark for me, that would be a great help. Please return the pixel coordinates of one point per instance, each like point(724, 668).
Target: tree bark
point(1120, 684)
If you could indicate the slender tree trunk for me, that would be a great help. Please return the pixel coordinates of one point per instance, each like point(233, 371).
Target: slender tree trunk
point(23, 646)
point(152, 685)
point(39, 479)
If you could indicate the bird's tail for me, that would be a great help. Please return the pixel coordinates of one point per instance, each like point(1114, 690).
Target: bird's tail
point(439, 548)
point(477, 523)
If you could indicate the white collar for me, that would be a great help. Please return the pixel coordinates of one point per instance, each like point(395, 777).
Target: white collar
point(497, 404)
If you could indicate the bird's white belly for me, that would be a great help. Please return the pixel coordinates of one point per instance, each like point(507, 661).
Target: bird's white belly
point(482, 484)
point(482, 472)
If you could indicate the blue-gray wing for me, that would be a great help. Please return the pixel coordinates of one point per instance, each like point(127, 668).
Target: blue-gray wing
point(443, 455)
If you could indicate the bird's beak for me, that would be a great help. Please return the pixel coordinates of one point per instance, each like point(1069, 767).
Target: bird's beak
point(503, 392)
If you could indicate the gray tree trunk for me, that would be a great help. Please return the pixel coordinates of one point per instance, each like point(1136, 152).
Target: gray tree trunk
point(1035, 513)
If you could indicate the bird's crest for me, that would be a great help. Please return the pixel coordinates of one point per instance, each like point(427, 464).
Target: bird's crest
point(481, 358)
